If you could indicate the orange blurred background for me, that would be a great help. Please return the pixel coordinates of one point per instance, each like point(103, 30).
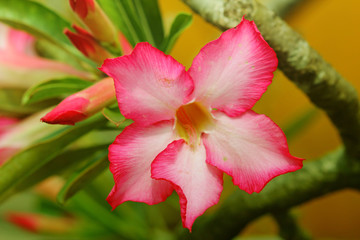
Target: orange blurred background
point(332, 28)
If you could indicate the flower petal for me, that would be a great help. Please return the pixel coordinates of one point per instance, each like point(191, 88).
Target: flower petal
point(6, 123)
point(198, 184)
point(20, 42)
point(232, 72)
point(250, 148)
point(149, 85)
point(130, 158)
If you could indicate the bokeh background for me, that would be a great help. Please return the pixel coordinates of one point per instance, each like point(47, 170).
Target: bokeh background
point(332, 27)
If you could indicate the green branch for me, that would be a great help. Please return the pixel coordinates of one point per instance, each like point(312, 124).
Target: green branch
point(317, 178)
point(288, 226)
point(325, 87)
point(281, 7)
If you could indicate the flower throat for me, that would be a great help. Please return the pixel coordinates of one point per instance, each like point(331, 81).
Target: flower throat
point(191, 120)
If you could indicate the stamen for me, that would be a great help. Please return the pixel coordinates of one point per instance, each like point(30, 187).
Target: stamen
point(191, 120)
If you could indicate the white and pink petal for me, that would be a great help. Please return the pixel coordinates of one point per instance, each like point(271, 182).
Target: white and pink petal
point(197, 183)
point(150, 86)
point(251, 148)
point(232, 72)
point(130, 158)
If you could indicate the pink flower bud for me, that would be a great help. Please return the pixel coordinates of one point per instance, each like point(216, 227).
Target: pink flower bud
point(20, 67)
point(95, 19)
point(39, 223)
point(86, 44)
point(82, 7)
point(83, 104)
point(26, 221)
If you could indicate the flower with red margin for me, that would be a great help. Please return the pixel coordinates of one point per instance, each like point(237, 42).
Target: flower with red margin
point(86, 44)
point(192, 126)
point(83, 104)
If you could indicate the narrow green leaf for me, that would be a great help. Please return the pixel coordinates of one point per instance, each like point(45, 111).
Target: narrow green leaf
point(138, 20)
point(181, 22)
point(35, 18)
point(150, 19)
point(34, 157)
point(10, 103)
point(118, 15)
point(83, 176)
point(39, 21)
point(83, 203)
point(61, 163)
point(54, 88)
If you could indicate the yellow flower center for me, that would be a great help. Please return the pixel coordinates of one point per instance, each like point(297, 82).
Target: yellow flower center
point(191, 120)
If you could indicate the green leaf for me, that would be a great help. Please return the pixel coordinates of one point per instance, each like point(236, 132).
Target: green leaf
point(138, 20)
point(10, 103)
point(149, 16)
point(181, 22)
point(54, 88)
point(120, 17)
point(39, 21)
point(61, 163)
point(83, 176)
point(34, 157)
point(83, 203)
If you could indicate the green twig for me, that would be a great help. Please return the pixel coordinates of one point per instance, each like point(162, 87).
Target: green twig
point(288, 227)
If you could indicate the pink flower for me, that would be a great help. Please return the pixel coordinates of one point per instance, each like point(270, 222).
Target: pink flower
point(6, 125)
point(192, 126)
point(83, 104)
point(20, 67)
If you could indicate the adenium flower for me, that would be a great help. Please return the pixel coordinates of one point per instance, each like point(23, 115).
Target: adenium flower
point(20, 67)
point(192, 126)
point(83, 104)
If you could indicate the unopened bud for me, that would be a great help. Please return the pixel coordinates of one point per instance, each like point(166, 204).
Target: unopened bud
point(83, 104)
point(95, 19)
point(86, 44)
